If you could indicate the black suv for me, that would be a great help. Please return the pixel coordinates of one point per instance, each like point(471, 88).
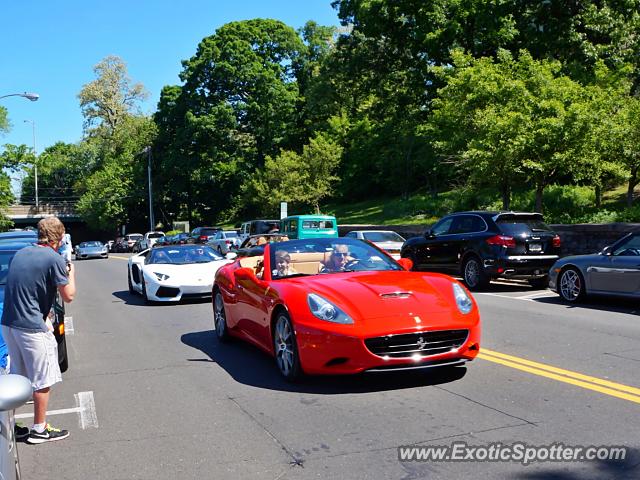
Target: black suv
point(202, 234)
point(480, 246)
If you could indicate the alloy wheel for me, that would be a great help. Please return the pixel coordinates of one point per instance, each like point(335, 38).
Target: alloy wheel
point(472, 273)
point(285, 348)
point(570, 285)
point(219, 317)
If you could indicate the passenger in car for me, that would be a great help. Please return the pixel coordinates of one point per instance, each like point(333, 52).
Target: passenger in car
point(283, 264)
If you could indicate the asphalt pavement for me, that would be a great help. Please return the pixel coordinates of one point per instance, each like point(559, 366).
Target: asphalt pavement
point(151, 394)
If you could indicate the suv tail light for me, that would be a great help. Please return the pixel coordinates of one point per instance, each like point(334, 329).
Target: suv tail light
point(556, 241)
point(203, 238)
point(228, 242)
point(502, 241)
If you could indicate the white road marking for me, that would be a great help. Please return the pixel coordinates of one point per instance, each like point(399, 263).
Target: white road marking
point(529, 298)
point(68, 325)
point(86, 408)
point(88, 415)
point(51, 412)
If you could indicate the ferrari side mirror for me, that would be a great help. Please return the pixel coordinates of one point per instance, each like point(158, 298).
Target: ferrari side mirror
point(406, 263)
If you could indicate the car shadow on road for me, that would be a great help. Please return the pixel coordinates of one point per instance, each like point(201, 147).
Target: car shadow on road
point(627, 468)
point(606, 304)
point(249, 365)
point(134, 299)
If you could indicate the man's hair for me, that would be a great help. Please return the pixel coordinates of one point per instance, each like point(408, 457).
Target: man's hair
point(50, 230)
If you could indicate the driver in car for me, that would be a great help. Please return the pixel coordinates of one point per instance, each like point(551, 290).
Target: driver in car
point(339, 259)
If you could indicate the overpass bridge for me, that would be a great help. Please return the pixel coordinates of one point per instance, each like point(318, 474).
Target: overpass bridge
point(23, 214)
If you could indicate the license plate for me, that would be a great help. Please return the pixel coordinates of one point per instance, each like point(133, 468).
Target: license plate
point(535, 247)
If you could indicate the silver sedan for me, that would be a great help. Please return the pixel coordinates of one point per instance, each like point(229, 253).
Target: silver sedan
point(613, 271)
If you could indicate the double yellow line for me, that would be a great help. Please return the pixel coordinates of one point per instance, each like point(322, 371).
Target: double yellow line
point(613, 389)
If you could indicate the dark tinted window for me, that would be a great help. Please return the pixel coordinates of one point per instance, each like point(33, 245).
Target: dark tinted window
point(382, 237)
point(467, 224)
point(442, 226)
point(209, 231)
point(517, 224)
point(263, 226)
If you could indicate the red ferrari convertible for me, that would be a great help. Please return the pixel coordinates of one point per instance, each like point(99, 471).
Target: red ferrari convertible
point(342, 306)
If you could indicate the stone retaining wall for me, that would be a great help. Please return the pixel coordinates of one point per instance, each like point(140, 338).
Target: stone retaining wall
point(576, 239)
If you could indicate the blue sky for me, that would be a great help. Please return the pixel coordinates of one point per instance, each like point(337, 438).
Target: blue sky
point(50, 47)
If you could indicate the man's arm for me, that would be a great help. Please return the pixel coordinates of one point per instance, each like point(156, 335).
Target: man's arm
point(68, 291)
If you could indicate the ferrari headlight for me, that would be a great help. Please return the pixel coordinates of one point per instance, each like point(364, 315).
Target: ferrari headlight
point(161, 276)
point(463, 301)
point(327, 311)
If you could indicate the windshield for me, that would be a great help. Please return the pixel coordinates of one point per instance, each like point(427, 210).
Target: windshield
point(257, 240)
point(231, 234)
point(156, 235)
point(518, 224)
point(326, 256)
point(382, 237)
point(135, 236)
point(5, 260)
point(90, 244)
point(320, 224)
point(183, 255)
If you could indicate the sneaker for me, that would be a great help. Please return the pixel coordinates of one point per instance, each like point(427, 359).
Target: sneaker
point(50, 434)
point(20, 431)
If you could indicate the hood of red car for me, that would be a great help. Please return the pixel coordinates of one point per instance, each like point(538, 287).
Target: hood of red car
point(397, 299)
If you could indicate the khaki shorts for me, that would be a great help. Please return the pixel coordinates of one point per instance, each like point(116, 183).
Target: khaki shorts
point(33, 355)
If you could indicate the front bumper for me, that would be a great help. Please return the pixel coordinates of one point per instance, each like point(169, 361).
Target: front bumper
point(167, 292)
point(523, 266)
point(85, 255)
point(326, 352)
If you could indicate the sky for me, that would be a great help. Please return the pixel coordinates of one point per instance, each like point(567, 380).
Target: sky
point(50, 48)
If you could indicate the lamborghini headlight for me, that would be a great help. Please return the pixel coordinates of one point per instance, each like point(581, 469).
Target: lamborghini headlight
point(161, 276)
point(463, 301)
point(327, 311)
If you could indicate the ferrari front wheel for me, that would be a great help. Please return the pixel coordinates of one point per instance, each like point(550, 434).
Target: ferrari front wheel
point(286, 348)
point(220, 318)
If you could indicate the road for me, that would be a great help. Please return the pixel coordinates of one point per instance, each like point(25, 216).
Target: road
point(151, 394)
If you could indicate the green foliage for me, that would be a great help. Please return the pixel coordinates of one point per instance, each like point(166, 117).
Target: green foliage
point(301, 180)
point(111, 96)
point(4, 121)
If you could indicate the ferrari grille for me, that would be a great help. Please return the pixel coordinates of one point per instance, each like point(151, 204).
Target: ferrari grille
point(422, 343)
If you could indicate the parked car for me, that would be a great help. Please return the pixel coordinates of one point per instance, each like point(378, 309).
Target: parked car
point(202, 234)
point(7, 251)
point(120, 245)
point(224, 241)
point(149, 239)
point(93, 249)
point(15, 391)
point(481, 246)
point(387, 240)
point(257, 227)
point(131, 239)
point(309, 226)
point(169, 274)
point(614, 271)
point(374, 315)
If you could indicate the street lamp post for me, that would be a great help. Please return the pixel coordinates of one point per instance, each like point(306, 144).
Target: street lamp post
point(29, 95)
point(152, 221)
point(35, 160)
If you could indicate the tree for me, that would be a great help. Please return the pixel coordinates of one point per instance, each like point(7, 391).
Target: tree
point(299, 179)
point(106, 100)
point(4, 121)
point(512, 119)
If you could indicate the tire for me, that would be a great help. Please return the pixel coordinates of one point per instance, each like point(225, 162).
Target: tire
point(220, 318)
point(571, 285)
point(539, 283)
point(473, 274)
point(144, 290)
point(220, 250)
point(131, 290)
point(285, 348)
point(63, 358)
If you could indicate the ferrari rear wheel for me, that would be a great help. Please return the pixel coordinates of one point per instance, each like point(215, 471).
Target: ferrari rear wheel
point(220, 318)
point(286, 348)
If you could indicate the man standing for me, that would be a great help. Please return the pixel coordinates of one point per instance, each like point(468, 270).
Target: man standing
point(35, 274)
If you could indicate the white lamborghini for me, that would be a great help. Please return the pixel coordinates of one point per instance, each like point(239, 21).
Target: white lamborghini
point(171, 273)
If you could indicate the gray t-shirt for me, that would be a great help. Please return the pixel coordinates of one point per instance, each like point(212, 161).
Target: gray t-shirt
point(34, 275)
